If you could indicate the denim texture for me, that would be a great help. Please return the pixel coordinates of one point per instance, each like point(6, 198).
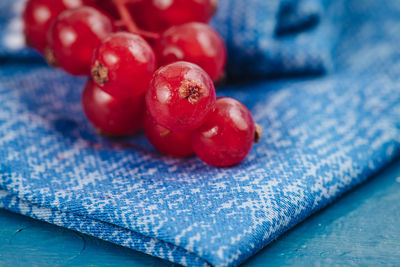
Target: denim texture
point(322, 135)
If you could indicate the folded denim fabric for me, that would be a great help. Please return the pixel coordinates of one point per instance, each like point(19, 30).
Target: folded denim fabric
point(277, 37)
point(322, 136)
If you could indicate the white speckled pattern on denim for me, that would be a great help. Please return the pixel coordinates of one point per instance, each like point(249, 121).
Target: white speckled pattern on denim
point(322, 136)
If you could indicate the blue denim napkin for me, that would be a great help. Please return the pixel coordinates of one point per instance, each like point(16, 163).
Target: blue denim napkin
point(277, 37)
point(322, 136)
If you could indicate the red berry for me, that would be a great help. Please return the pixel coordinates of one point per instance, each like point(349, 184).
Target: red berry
point(37, 17)
point(113, 116)
point(227, 136)
point(194, 42)
point(180, 96)
point(158, 15)
point(74, 36)
point(177, 144)
point(123, 65)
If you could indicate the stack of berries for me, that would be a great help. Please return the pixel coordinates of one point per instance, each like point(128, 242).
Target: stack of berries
point(152, 64)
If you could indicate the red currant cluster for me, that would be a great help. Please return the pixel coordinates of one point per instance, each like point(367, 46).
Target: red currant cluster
point(120, 44)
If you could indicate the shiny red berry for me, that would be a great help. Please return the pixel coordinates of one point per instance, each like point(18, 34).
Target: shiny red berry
point(227, 136)
point(193, 42)
point(74, 36)
point(123, 65)
point(158, 15)
point(37, 18)
point(177, 144)
point(180, 96)
point(113, 116)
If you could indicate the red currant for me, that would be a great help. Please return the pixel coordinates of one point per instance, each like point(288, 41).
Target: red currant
point(74, 36)
point(158, 15)
point(177, 144)
point(194, 42)
point(123, 65)
point(227, 136)
point(113, 116)
point(180, 96)
point(37, 17)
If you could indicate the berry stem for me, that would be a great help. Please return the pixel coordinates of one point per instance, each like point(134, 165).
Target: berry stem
point(167, 132)
point(257, 133)
point(191, 91)
point(127, 20)
point(50, 58)
point(99, 73)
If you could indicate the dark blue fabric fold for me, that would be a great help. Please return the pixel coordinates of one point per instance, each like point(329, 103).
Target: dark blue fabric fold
point(278, 38)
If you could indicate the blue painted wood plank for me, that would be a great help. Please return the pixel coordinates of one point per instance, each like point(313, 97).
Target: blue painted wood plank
point(361, 228)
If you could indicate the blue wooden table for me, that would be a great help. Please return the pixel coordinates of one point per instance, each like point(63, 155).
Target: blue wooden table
point(361, 228)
